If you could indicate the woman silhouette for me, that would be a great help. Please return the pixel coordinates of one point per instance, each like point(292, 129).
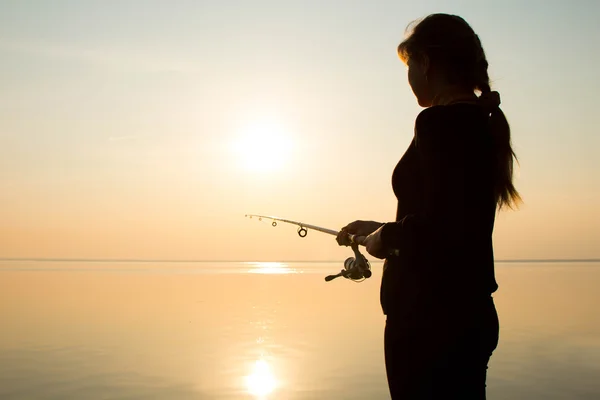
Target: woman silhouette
point(438, 276)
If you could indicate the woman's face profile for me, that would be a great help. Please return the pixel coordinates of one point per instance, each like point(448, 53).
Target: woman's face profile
point(417, 78)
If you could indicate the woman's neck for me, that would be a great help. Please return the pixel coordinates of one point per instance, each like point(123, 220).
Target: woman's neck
point(451, 94)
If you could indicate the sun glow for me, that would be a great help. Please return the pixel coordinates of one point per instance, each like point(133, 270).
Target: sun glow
point(261, 381)
point(263, 147)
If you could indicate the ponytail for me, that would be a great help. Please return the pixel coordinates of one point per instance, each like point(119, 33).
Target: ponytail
point(505, 193)
point(504, 190)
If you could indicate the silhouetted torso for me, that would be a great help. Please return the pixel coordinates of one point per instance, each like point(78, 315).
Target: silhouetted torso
point(445, 216)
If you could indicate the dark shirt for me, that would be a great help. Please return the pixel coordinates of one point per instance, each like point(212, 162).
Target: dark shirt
point(442, 237)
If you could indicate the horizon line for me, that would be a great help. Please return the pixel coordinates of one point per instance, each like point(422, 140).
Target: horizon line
point(141, 260)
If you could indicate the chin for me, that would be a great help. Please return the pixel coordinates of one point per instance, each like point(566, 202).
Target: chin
point(423, 99)
point(424, 102)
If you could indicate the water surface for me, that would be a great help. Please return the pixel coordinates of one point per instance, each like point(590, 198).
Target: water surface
point(143, 330)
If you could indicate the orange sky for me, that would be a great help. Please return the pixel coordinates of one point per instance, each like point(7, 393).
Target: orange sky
point(126, 137)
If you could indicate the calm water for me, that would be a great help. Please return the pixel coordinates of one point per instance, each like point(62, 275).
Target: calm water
point(266, 331)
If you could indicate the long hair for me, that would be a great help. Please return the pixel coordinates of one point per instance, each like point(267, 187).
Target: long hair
point(450, 44)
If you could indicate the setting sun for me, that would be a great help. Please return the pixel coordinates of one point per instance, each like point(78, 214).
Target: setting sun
point(262, 147)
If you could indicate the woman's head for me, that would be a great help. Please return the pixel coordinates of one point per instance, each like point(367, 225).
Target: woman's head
point(443, 51)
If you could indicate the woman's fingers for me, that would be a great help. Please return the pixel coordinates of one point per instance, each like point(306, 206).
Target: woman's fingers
point(342, 237)
point(355, 228)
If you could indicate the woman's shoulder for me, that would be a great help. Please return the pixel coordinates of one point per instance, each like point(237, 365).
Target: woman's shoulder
point(459, 116)
point(453, 112)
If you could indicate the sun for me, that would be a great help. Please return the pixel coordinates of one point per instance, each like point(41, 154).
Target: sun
point(262, 147)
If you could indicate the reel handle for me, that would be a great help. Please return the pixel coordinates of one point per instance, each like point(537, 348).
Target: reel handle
point(332, 277)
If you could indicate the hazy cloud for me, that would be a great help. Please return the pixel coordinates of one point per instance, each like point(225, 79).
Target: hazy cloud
point(102, 57)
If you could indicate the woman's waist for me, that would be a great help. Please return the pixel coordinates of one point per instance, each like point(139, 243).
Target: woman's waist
point(407, 288)
point(480, 308)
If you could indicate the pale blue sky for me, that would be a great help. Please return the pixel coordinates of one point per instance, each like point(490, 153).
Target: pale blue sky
point(117, 121)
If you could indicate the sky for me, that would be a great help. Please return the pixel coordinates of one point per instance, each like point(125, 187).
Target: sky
point(148, 129)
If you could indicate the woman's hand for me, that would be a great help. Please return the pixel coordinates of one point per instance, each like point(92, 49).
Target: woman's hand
point(357, 228)
point(374, 245)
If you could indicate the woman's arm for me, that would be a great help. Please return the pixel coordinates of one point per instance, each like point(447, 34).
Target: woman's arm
point(442, 160)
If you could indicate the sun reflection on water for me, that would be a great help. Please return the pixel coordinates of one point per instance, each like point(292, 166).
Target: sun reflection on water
point(270, 268)
point(261, 381)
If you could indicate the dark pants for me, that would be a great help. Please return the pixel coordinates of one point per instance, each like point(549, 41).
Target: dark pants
point(443, 355)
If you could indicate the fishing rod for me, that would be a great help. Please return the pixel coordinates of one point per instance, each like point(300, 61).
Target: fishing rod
point(356, 268)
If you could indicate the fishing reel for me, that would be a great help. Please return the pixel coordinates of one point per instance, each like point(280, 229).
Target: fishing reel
point(356, 268)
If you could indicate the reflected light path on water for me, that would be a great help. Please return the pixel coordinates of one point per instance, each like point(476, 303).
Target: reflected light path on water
point(261, 381)
point(270, 268)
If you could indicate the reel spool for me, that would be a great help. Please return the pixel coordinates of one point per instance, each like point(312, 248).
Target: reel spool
point(355, 271)
point(356, 268)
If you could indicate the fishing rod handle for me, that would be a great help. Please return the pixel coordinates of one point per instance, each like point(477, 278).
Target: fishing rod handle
point(355, 239)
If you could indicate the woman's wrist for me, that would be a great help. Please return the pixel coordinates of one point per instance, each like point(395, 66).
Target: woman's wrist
point(386, 235)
